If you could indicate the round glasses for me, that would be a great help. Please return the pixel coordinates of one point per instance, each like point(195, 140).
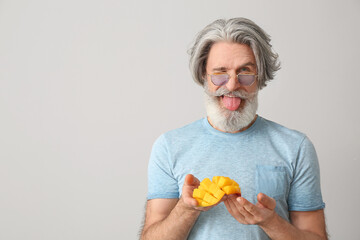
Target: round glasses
point(222, 78)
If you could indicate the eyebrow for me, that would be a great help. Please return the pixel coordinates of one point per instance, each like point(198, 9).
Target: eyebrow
point(224, 69)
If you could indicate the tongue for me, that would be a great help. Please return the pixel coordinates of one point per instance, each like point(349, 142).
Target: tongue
point(231, 103)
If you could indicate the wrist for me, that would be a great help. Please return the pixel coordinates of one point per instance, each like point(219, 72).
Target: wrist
point(272, 222)
point(185, 208)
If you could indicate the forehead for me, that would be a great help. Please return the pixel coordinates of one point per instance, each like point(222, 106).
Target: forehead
point(229, 55)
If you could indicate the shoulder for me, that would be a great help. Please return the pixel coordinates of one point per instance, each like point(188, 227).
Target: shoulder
point(281, 133)
point(177, 140)
point(184, 133)
point(290, 141)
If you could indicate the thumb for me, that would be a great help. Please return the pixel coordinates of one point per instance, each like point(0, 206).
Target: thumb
point(266, 201)
point(191, 180)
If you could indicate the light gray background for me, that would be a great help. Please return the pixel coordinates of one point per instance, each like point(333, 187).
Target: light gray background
point(87, 86)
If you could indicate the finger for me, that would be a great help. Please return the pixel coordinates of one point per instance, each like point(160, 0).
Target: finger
point(266, 201)
point(187, 195)
point(228, 207)
point(188, 188)
point(250, 209)
point(233, 210)
point(224, 198)
point(191, 180)
point(187, 192)
point(190, 201)
point(247, 217)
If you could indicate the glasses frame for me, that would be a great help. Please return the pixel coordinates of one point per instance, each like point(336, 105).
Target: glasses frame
point(237, 77)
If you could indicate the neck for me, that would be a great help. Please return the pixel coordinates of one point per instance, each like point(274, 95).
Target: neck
point(241, 130)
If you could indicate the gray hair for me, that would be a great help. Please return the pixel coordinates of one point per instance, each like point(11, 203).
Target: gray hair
point(237, 30)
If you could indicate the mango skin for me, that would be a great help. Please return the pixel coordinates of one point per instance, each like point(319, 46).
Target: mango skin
point(211, 192)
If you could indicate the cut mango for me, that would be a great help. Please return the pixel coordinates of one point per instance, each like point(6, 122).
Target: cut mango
point(210, 193)
point(231, 189)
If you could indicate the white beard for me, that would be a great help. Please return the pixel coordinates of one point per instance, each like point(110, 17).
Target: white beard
point(224, 119)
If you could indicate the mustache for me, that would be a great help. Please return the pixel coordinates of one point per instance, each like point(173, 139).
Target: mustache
point(224, 91)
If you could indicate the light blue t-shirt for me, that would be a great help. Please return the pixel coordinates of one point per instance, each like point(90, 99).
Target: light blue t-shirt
point(267, 158)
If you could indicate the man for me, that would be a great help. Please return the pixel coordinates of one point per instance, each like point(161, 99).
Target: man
point(276, 168)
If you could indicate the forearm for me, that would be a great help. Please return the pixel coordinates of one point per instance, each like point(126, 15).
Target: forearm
point(176, 226)
point(279, 229)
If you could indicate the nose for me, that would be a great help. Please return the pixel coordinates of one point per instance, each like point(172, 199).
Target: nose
point(233, 83)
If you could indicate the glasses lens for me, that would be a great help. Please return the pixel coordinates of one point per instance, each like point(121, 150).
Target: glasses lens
point(246, 80)
point(219, 79)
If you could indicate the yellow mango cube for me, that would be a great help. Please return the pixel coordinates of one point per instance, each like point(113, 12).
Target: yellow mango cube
point(219, 194)
point(216, 179)
point(206, 183)
point(202, 203)
point(210, 198)
point(224, 181)
point(205, 204)
point(199, 193)
point(216, 191)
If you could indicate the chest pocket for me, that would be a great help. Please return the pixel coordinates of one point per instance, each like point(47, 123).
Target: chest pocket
point(272, 181)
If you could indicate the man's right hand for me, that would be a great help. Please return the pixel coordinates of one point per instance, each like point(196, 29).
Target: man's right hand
point(190, 183)
point(175, 217)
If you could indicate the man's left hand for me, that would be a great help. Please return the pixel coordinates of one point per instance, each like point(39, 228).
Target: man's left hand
point(247, 213)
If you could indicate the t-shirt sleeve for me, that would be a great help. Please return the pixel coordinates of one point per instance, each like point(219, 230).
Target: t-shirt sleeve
point(305, 191)
point(161, 182)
